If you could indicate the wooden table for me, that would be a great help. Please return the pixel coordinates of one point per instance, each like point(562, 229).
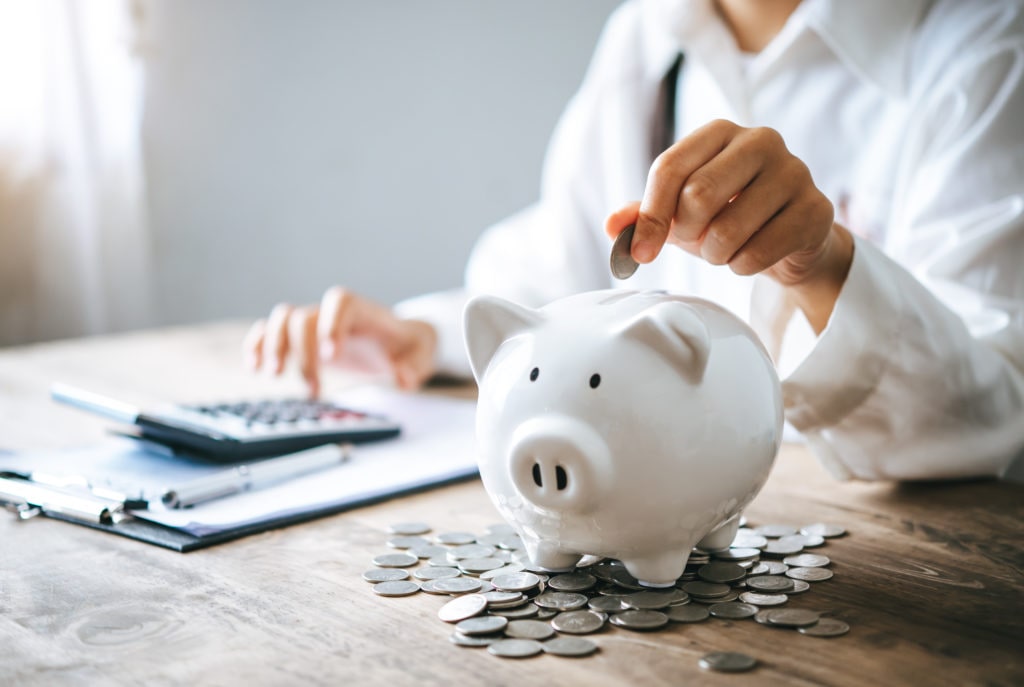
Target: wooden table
point(929, 578)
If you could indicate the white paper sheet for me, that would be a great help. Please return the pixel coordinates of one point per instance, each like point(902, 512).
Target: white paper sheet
point(436, 446)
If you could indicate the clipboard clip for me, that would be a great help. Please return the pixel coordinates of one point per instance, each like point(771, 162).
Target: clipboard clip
point(26, 499)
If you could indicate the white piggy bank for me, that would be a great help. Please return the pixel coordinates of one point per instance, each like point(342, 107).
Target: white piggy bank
point(622, 424)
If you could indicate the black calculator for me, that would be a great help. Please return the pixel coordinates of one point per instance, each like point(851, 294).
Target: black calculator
point(230, 432)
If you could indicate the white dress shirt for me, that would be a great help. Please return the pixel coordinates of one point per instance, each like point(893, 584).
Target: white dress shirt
point(910, 116)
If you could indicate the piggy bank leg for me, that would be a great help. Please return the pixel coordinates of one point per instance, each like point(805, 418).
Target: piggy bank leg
point(661, 570)
point(721, 537)
point(547, 556)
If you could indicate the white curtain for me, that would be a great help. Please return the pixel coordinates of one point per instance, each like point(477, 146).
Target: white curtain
point(74, 248)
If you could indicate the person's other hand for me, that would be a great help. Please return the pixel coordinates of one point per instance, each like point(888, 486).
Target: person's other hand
point(325, 333)
point(736, 196)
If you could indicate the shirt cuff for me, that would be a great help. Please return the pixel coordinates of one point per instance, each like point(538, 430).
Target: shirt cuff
point(850, 357)
point(443, 310)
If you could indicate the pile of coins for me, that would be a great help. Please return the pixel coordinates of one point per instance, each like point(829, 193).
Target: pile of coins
point(499, 601)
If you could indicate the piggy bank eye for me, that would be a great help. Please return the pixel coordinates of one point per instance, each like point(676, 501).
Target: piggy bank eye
point(534, 373)
point(595, 380)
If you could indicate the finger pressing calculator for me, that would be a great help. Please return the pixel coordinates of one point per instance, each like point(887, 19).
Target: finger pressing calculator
point(229, 432)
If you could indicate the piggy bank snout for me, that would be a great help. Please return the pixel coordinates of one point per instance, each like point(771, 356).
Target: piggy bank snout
point(559, 463)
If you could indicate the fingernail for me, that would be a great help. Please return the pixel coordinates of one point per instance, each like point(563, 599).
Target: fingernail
point(250, 362)
point(327, 350)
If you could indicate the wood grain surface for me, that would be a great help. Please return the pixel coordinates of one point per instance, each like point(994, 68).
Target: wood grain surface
point(929, 577)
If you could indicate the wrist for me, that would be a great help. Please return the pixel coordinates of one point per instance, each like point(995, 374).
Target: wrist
point(817, 290)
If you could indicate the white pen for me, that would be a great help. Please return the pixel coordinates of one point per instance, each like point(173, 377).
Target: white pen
point(255, 476)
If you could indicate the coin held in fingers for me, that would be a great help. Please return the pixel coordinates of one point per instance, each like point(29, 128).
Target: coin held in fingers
point(622, 263)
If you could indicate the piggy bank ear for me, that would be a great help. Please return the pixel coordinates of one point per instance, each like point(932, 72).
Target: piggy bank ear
point(676, 332)
point(489, 322)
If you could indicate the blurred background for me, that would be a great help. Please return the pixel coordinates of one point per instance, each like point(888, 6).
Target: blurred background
point(173, 161)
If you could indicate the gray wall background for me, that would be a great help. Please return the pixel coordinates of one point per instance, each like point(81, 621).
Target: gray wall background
point(292, 145)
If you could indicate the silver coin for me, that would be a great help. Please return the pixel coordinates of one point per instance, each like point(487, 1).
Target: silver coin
point(770, 583)
point(651, 601)
point(807, 560)
point(572, 582)
point(640, 620)
point(823, 529)
point(407, 542)
point(622, 263)
point(482, 625)
point(737, 554)
point(561, 601)
point(732, 610)
point(501, 528)
point(691, 613)
point(440, 561)
point(706, 590)
point(748, 540)
point(799, 587)
point(546, 613)
point(625, 580)
point(529, 629)
point(516, 582)
point(527, 610)
point(456, 538)
point(513, 543)
point(791, 617)
point(768, 568)
point(506, 569)
point(732, 595)
point(807, 540)
point(491, 540)
point(409, 528)
point(462, 607)
point(606, 604)
point(395, 560)
point(465, 640)
point(486, 586)
point(825, 627)
point(396, 588)
point(457, 585)
point(775, 531)
point(432, 573)
point(579, 622)
point(467, 551)
point(428, 551)
point(429, 586)
point(782, 548)
point(809, 574)
point(728, 662)
point(475, 566)
point(507, 599)
point(570, 646)
point(763, 599)
point(516, 648)
point(385, 575)
point(721, 572)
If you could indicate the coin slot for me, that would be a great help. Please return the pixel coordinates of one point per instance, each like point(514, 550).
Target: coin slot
point(536, 475)
point(561, 478)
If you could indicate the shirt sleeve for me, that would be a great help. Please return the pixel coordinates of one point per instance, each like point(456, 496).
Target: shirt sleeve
point(920, 371)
